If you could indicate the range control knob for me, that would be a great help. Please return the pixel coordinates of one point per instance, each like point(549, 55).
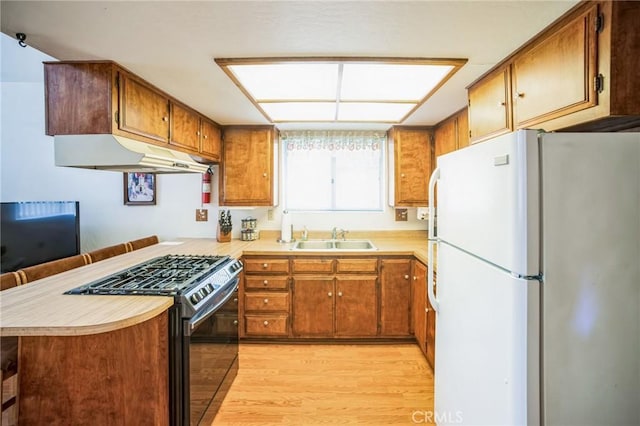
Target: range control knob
point(194, 298)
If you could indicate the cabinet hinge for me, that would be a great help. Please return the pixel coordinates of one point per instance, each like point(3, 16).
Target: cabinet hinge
point(116, 117)
point(468, 102)
point(599, 22)
point(117, 81)
point(469, 134)
point(598, 83)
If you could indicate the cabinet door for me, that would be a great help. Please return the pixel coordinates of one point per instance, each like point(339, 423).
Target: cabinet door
point(247, 168)
point(445, 138)
point(555, 76)
point(185, 128)
point(395, 297)
point(313, 301)
point(490, 106)
point(356, 307)
point(412, 152)
point(419, 304)
point(210, 141)
point(462, 120)
point(143, 111)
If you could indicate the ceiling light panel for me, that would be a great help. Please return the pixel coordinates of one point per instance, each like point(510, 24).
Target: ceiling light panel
point(390, 82)
point(373, 111)
point(339, 89)
point(300, 111)
point(291, 81)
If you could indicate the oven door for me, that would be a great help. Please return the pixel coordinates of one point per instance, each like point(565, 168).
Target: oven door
point(210, 345)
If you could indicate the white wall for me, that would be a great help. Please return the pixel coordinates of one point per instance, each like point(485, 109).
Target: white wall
point(27, 173)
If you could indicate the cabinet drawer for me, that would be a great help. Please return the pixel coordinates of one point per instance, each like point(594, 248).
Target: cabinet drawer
point(266, 282)
point(313, 265)
point(266, 265)
point(266, 301)
point(357, 265)
point(266, 325)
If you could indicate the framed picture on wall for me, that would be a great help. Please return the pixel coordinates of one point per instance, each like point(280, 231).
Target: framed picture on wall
point(139, 189)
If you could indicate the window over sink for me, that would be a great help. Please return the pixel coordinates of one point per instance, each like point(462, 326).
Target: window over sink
point(333, 170)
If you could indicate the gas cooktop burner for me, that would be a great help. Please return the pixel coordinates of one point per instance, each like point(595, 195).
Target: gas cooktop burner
point(168, 275)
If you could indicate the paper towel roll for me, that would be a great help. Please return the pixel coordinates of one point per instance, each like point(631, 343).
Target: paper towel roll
point(285, 231)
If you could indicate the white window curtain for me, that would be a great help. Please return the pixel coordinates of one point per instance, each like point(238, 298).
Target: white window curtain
point(333, 170)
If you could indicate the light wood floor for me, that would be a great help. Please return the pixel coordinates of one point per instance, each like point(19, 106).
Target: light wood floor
point(329, 385)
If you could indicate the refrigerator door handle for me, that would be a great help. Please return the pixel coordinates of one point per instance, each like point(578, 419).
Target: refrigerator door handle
point(432, 241)
point(432, 210)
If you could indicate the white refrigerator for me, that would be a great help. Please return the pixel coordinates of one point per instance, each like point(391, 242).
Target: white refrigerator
point(538, 280)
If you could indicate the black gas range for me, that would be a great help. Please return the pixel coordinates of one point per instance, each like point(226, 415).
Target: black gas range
point(202, 325)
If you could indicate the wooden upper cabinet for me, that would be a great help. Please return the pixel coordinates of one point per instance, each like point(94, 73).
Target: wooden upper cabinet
point(490, 105)
point(78, 97)
point(143, 111)
point(247, 170)
point(579, 74)
point(445, 138)
point(410, 166)
point(555, 76)
point(451, 134)
point(185, 127)
point(210, 140)
point(101, 97)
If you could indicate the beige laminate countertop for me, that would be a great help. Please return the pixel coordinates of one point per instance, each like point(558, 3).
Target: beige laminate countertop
point(41, 309)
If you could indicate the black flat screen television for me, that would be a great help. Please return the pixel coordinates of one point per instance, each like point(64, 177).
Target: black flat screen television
point(34, 232)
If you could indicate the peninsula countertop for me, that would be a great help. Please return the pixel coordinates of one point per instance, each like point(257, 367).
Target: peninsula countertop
point(41, 308)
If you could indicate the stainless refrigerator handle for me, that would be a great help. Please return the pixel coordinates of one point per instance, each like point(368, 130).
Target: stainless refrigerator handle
point(432, 240)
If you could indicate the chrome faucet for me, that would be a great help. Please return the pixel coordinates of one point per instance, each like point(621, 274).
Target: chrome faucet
point(335, 231)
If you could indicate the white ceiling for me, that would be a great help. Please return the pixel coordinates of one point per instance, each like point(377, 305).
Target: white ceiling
point(172, 44)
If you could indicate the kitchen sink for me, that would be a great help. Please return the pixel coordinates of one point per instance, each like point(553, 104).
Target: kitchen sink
point(313, 245)
point(334, 245)
point(354, 245)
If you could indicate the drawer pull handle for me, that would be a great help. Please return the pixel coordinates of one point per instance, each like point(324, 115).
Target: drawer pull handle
point(266, 301)
point(339, 294)
point(330, 294)
point(235, 300)
point(265, 265)
point(265, 282)
point(415, 278)
point(406, 277)
point(266, 322)
point(235, 322)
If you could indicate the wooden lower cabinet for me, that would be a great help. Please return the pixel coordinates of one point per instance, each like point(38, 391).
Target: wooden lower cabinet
point(265, 298)
point(355, 312)
point(395, 297)
point(116, 377)
point(419, 304)
point(313, 300)
point(326, 297)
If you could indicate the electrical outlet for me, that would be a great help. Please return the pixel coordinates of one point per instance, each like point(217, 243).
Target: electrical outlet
point(270, 214)
point(401, 215)
point(202, 215)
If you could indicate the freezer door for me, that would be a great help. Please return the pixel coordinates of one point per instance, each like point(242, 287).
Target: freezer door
point(487, 353)
point(488, 201)
point(591, 288)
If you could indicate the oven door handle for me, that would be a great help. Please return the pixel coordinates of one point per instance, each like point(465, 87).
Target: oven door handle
point(196, 321)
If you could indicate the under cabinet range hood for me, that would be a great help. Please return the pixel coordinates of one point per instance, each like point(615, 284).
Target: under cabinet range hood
point(117, 153)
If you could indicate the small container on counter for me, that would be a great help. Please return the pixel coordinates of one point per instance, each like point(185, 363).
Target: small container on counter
point(249, 223)
point(249, 234)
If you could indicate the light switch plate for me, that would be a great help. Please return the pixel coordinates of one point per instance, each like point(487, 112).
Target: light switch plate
point(202, 215)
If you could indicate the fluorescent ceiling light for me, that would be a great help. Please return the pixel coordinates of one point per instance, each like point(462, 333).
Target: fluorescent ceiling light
point(384, 90)
point(371, 111)
point(300, 111)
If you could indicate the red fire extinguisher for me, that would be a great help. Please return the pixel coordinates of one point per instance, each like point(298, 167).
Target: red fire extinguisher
point(206, 188)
